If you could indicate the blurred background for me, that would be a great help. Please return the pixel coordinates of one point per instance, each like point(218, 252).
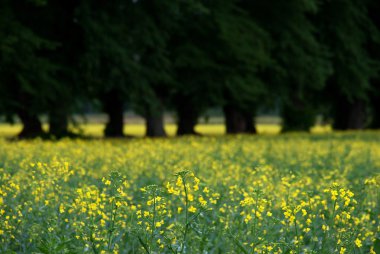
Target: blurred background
point(158, 68)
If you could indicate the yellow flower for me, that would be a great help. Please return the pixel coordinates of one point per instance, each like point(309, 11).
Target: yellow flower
point(159, 223)
point(196, 184)
point(358, 243)
point(192, 209)
point(247, 218)
point(334, 195)
point(179, 182)
point(61, 208)
point(202, 201)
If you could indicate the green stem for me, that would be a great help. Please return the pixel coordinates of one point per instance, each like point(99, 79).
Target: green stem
point(112, 225)
point(186, 215)
point(144, 245)
point(92, 239)
point(332, 217)
point(255, 222)
point(295, 227)
point(153, 220)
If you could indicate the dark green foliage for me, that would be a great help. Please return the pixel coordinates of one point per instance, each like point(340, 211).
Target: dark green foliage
point(39, 51)
point(300, 62)
point(108, 62)
point(151, 25)
point(309, 57)
point(347, 30)
point(216, 60)
point(374, 51)
point(27, 80)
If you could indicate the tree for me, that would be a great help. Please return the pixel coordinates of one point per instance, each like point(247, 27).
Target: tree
point(108, 63)
point(151, 24)
point(374, 51)
point(246, 51)
point(64, 29)
point(56, 21)
point(192, 47)
point(216, 58)
point(300, 65)
point(40, 49)
point(346, 29)
point(27, 78)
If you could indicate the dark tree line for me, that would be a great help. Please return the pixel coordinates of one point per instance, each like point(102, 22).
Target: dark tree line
point(307, 57)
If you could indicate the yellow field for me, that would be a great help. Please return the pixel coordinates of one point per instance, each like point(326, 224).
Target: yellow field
point(138, 130)
point(292, 193)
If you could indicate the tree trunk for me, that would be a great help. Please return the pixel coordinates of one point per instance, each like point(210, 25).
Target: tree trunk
point(32, 126)
point(250, 125)
point(187, 119)
point(350, 115)
point(375, 123)
point(297, 118)
point(341, 114)
point(155, 124)
point(357, 116)
point(154, 117)
point(58, 123)
point(235, 120)
point(114, 107)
